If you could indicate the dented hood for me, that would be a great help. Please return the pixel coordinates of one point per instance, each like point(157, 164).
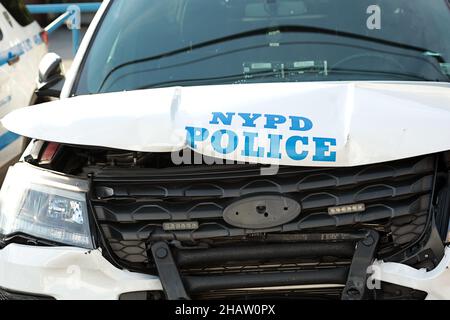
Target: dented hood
point(302, 124)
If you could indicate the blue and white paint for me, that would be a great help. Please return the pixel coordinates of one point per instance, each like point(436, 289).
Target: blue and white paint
point(5, 101)
point(20, 49)
point(292, 143)
point(8, 138)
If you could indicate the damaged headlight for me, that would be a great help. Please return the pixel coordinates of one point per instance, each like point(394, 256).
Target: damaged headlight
point(45, 205)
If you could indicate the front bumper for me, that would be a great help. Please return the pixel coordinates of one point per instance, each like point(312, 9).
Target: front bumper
point(435, 282)
point(66, 273)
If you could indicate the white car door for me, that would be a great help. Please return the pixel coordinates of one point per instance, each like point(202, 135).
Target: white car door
point(4, 70)
point(5, 91)
point(6, 138)
point(21, 50)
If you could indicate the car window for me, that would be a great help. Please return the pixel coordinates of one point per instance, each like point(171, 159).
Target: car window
point(18, 11)
point(152, 43)
point(1, 35)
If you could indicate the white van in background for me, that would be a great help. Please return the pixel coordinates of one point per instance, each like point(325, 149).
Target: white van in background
point(22, 45)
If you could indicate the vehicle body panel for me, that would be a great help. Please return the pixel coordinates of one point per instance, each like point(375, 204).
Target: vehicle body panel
point(18, 80)
point(56, 272)
point(367, 122)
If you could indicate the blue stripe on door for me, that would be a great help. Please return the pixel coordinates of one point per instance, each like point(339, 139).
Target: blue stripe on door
point(19, 49)
point(5, 101)
point(7, 138)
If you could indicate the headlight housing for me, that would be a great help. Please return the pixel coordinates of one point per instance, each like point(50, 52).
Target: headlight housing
point(45, 205)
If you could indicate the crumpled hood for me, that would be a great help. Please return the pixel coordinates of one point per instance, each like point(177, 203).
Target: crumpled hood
point(303, 124)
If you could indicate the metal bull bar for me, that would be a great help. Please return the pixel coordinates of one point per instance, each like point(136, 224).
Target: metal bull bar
point(70, 13)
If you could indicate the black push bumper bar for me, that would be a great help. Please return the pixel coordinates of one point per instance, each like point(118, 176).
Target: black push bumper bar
point(359, 248)
point(197, 284)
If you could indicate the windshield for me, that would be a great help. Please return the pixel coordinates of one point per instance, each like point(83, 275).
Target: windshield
point(153, 43)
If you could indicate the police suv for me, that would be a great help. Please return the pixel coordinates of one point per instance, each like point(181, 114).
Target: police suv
point(22, 46)
point(206, 149)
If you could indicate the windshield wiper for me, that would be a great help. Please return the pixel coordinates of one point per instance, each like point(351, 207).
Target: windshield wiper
point(397, 75)
point(234, 78)
point(249, 77)
point(280, 28)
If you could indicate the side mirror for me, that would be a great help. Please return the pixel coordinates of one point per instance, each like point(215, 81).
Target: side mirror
point(51, 76)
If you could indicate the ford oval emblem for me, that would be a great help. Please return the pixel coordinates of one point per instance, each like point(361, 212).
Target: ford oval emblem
point(259, 212)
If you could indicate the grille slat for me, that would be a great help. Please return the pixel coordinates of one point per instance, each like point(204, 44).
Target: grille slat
point(211, 229)
point(230, 184)
point(198, 209)
point(132, 208)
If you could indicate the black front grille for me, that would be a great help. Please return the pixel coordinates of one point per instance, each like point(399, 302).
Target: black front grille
point(132, 205)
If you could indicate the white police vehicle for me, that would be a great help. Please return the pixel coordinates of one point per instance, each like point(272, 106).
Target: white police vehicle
point(238, 149)
point(22, 46)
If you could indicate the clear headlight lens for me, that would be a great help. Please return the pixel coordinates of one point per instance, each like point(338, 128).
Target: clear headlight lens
point(46, 205)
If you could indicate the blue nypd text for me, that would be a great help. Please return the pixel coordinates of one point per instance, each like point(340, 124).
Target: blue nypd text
point(257, 135)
